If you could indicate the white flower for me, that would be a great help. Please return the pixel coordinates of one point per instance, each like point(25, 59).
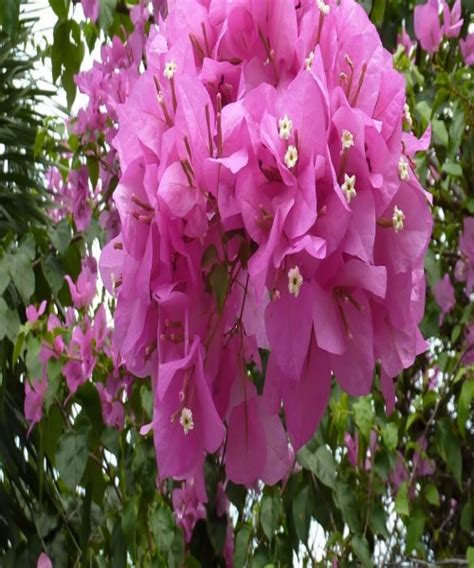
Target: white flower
point(403, 170)
point(348, 187)
point(347, 139)
point(295, 280)
point(291, 156)
point(285, 125)
point(308, 62)
point(186, 420)
point(397, 219)
point(170, 69)
point(323, 7)
point(407, 115)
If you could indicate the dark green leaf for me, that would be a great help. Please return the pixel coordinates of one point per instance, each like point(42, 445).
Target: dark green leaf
point(321, 463)
point(401, 501)
point(119, 547)
point(23, 276)
point(360, 546)
point(71, 457)
point(241, 546)
point(162, 527)
point(53, 272)
point(219, 281)
point(10, 15)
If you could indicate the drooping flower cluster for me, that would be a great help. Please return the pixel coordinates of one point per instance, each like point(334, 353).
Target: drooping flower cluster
point(267, 201)
point(78, 342)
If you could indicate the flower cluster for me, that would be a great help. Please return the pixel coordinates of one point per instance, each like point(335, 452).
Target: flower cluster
point(77, 342)
point(268, 201)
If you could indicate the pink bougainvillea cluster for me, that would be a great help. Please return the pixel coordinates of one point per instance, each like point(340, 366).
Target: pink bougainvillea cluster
point(268, 201)
point(78, 342)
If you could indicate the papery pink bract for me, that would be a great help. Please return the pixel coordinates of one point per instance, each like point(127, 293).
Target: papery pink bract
point(84, 290)
point(34, 397)
point(452, 20)
point(427, 25)
point(91, 9)
point(467, 49)
point(444, 295)
point(33, 314)
point(44, 561)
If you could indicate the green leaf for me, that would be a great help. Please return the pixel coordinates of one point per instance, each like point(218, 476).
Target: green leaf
point(10, 15)
point(129, 518)
point(217, 530)
point(4, 273)
point(348, 505)
point(12, 324)
point(54, 369)
point(86, 523)
point(378, 520)
point(390, 436)
point(39, 141)
point(440, 134)
point(378, 11)
point(33, 364)
point(60, 8)
point(363, 416)
point(302, 505)
point(3, 318)
point(455, 333)
point(452, 168)
point(470, 556)
point(401, 501)
point(449, 449)
point(93, 168)
point(464, 404)
point(60, 235)
point(53, 272)
point(119, 547)
point(71, 457)
point(415, 526)
point(17, 350)
point(241, 546)
point(466, 517)
point(23, 276)
point(360, 546)
point(219, 281)
point(432, 495)
point(321, 463)
point(209, 257)
point(270, 514)
point(162, 527)
point(106, 13)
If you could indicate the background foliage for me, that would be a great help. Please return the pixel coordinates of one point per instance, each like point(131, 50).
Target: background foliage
point(369, 488)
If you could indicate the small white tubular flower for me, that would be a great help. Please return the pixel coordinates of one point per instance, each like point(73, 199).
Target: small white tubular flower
point(308, 62)
point(291, 156)
point(285, 126)
point(347, 139)
point(348, 187)
point(323, 7)
point(403, 170)
point(407, 115)
point(186, 420)
point(398, 218)
point(295, 280)
point(170, 69)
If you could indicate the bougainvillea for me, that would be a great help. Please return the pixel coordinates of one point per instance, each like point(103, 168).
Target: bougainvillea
point(268, 201)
